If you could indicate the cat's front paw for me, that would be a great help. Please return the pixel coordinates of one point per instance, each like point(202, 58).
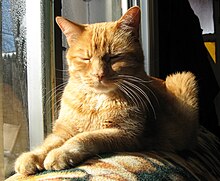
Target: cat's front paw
point(27, 164)
point(59, 159)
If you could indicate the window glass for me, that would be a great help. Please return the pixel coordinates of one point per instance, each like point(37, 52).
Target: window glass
point(86, 11)
point(13, 89)
point(204, 10)
point(90, 11)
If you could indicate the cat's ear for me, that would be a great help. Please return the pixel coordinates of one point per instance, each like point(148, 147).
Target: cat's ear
point(131, 19)
point(70, 29)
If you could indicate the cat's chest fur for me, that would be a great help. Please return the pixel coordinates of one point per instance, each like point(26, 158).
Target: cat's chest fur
point(90, 111)
point(98, 102)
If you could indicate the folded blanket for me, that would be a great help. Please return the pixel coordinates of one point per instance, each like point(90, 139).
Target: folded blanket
point(201, 164)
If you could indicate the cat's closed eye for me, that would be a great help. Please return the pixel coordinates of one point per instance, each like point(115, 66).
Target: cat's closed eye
point(84, 58)
point(111, 57)
point(80, 58)
point(116, 57)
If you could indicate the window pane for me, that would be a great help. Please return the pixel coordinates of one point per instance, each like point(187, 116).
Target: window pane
point(91, 11)
point(87, 11)
point(14, 83)
point(204, 10)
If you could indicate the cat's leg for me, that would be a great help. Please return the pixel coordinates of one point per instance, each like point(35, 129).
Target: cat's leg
point(87, 144)
point(31, 162)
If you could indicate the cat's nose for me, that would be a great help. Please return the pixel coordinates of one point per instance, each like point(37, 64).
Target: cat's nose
point(100, 76)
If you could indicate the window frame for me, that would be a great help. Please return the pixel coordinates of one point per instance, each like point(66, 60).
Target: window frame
point(40, 69)
point(149, 36)
point(2, 174)
point(34, 72)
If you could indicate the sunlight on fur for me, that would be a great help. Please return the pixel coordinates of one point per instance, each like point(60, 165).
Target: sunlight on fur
point(110, 104)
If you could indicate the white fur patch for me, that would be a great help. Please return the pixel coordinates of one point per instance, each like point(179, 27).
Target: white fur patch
point(100, 99)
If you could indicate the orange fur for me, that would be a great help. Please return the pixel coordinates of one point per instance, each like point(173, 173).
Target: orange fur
point(110, 104)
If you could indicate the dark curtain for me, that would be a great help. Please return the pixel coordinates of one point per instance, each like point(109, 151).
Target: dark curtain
point(181, 48)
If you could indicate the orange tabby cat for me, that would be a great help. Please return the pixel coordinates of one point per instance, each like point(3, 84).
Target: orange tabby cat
point(110, 104)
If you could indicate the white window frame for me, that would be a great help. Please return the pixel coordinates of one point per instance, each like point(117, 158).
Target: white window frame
point(149, 36)
point(2, 174)
point(34, 72)
point(145, 34)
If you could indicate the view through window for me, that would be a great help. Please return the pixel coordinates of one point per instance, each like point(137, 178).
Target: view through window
point(204, 9)
point(27, 68)
point(13, 89)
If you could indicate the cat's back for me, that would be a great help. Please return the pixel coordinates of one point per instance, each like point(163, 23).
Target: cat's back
point(177, 111)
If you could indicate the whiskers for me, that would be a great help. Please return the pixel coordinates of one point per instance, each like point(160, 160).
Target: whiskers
point(53, 98)
point(136, 90)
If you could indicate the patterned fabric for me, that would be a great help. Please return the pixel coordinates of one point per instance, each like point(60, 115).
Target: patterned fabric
point(201, 164)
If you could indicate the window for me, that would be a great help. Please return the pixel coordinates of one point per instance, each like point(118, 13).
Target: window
point(92, 11)
point(31, 73)
point(208, 14)
point(25, 78)
point(207, 11)
point(13, 81)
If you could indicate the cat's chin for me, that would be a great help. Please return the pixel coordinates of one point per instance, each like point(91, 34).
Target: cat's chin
point(103, 89)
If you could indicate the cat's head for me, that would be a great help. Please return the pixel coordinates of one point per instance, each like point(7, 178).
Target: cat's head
point(101, 54)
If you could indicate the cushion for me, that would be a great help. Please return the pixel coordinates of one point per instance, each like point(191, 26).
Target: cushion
point(203, 163)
